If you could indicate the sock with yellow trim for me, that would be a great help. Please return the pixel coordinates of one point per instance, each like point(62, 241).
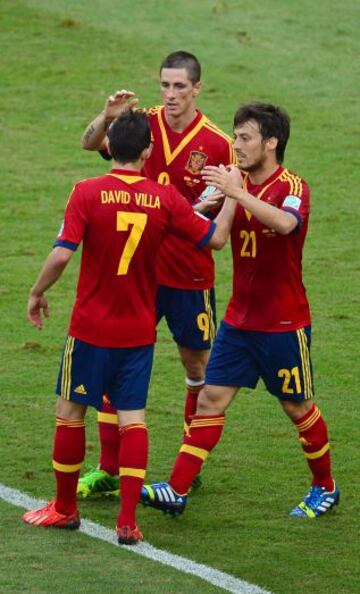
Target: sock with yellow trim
point(68, 455)
point(204, 434)
point(133, 456)
point(314, 441)
point(192, 392)
point(109, 438)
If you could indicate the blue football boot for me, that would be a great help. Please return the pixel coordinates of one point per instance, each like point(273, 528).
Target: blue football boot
point(161, 496)
point(317, 502)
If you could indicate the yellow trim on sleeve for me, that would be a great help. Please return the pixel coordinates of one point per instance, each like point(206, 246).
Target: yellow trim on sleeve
point(214, 128)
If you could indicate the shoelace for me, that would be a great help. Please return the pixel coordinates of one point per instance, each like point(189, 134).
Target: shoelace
point(314, 496)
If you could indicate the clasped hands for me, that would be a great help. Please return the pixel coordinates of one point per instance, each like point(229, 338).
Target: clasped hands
point(226, 179)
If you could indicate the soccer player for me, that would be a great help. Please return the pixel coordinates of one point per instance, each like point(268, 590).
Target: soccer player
point(121, 218)
point(184, 140)
point(266, 331)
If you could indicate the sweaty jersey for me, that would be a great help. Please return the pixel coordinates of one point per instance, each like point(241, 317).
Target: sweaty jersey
point(178, 158)
point(121, 218)
point(268, 292)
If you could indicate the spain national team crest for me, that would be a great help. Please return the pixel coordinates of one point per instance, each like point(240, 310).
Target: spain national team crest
point(196, 162)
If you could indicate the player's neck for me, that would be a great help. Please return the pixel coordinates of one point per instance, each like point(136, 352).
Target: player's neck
point(262, 173)
point(181, 122)
point(135, 166)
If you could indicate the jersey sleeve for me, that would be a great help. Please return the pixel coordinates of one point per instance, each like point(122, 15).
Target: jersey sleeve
point(232, 155)
point(297, 200)
point(75, 220)
point(227, 155)
point(187, 223)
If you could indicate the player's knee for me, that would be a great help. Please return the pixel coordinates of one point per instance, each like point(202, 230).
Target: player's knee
point(194, 362)
point(195, 367)
point(66, 409)
point(296, 410)
point(210, 402)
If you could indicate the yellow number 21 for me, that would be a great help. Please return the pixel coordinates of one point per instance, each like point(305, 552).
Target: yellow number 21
point(138, 221)
point(248, 248)
point(288, 375)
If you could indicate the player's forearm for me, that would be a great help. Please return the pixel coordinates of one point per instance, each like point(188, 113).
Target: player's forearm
point(94, 134)
point(223, 222)
point(51, 271)
point(281, 221)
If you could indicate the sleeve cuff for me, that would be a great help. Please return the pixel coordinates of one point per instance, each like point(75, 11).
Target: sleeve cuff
point(296, 215)
point(66, 244)
point(205, 240)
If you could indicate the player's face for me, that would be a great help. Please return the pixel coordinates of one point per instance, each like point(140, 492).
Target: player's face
point(177, 91)
point(250, 147)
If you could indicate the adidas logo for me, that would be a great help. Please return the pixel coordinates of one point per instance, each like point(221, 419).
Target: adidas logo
point(303, 441)
point(81, 390)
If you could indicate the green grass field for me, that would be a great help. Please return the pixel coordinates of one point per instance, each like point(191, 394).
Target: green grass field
point(59, 63)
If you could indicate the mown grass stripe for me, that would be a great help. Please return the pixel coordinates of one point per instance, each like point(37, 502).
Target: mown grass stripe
point(213, 576)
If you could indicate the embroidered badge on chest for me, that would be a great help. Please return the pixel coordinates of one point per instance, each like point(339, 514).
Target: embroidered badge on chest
point(196, 162)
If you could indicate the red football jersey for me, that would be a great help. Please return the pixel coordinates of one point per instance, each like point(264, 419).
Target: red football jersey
point(121, 218)
point(178, 158)
point(268, 292)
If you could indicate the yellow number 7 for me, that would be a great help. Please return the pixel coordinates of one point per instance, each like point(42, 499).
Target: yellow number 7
point(138, 221)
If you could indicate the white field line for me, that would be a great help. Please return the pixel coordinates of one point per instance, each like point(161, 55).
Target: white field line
point(213, 576)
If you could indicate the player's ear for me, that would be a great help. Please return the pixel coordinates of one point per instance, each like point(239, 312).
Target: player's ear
point(272, 143)
point(196, 88)
point(147, 152)
point(106, 145)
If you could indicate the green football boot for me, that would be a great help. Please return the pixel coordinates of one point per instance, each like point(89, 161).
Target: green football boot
point(98, 482)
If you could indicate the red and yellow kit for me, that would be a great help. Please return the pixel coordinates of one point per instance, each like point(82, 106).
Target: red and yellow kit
point(178, 158)
point(121, 218)
point(268, 293)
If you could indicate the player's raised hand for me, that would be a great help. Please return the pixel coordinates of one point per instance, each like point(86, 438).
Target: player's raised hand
point(36, 306)
point(119, 102)
point(227, 179)
point(211, 201)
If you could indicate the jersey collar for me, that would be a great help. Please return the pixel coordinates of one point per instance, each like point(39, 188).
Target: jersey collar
point(188, 134)
point(126, 175)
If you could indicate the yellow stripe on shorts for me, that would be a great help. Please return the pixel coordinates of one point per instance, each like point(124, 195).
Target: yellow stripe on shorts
point(210, 313)
point(66, 368)
point(305, 363)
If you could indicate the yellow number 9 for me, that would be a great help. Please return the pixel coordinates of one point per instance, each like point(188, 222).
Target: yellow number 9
point(203, 323)
point(164, 178)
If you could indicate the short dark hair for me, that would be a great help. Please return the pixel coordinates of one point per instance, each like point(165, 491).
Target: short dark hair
point(185, 60)
point(273, 122)
point(128, 136)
